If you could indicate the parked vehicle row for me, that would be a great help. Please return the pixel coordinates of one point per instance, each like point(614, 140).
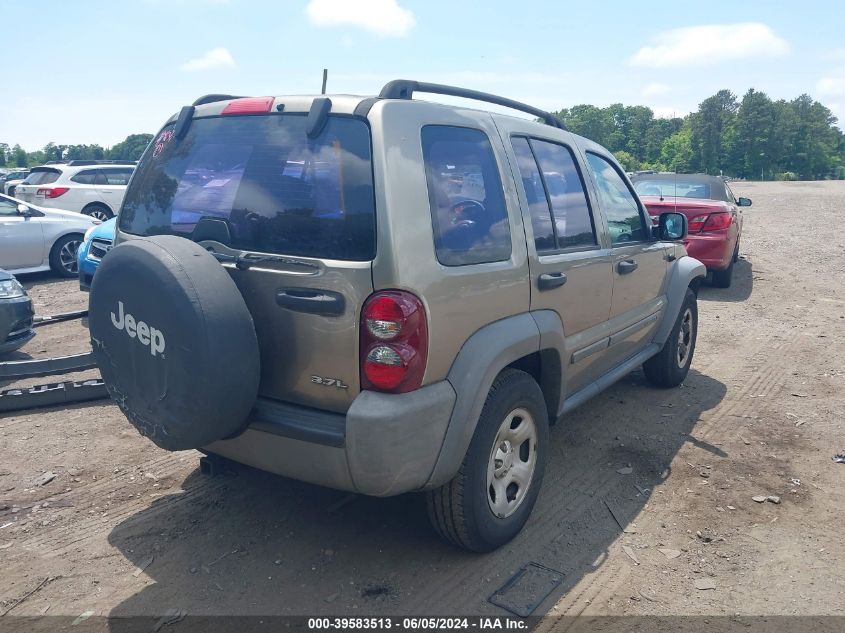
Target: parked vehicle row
point(12, 179)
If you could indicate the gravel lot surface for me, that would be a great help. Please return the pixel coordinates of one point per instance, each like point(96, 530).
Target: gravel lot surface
point(125, 528)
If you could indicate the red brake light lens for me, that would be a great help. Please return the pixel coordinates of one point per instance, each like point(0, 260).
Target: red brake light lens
point(394, 342)
point(249, 105)
point(695, 224)
point(718, 222)
point(52, 192)
point(385, 318)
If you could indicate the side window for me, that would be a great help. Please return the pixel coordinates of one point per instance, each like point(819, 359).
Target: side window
point(535, 193)
point(117, 176)
point(85, 177)
point(560, 214)
point(7, 207)
point(625, 222)
point(572, 222)
point(468, 210)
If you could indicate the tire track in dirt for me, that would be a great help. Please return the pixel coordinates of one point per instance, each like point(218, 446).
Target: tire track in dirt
point(603, 584)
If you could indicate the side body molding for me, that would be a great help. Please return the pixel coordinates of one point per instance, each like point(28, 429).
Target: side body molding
point(683, 272)
point(477, 364)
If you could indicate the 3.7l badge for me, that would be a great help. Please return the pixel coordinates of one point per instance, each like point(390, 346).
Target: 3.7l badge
point(329, 382)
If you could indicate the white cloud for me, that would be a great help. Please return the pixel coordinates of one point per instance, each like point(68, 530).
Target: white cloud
point(710, 44)
point(211, 60)
point(831, 91)
point(655, 89)
point(382, 17)
point(831, 86)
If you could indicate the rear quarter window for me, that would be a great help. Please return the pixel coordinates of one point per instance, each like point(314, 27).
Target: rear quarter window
point(468, 211)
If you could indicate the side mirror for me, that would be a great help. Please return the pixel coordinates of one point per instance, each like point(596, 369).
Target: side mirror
point(23, 210)
point(672, 227)
point(744, 202)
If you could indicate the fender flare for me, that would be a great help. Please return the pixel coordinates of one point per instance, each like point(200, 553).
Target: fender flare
point(684, 271)
point(479, 361)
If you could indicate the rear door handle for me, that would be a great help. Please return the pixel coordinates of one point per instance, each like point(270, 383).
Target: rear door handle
point(626, 266)
point(312, 301)
point(547, 281)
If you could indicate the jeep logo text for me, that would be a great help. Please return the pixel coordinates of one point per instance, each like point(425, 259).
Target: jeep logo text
point(147, 336)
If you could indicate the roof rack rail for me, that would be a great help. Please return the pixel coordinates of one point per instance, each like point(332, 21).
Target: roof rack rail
point(85, 163)
point(212, 98)
point(405, 89)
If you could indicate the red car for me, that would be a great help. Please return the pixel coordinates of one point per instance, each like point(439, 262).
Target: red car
point(714, 215)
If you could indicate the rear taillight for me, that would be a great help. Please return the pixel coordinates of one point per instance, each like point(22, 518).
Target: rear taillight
point(52, 192)
point(394, 342)
point(717, 222)
point(709, 222)
point(248, 105)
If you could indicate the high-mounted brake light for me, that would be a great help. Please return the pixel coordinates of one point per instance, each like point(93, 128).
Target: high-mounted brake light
point(249, 105)
point(394, 342)
point(52, 192)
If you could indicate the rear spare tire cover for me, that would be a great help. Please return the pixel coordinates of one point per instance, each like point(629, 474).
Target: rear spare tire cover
point(174, 341)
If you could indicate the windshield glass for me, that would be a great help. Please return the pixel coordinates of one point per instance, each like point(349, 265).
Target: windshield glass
point(671, 188)
point(276, 190)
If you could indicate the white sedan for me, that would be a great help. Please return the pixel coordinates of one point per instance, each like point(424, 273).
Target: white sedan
point(33, 238)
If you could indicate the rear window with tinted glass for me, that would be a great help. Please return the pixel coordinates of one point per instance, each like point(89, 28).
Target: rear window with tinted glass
point(42, 176)
point(277, 190)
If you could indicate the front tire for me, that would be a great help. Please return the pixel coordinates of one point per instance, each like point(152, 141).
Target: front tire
point(491, 497)
point(671, 365)
point(63, 256)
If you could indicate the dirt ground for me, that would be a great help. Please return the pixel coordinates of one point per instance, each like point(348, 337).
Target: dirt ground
point(125, 528)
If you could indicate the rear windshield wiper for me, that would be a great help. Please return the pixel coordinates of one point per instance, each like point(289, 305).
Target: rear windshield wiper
point(245, 261)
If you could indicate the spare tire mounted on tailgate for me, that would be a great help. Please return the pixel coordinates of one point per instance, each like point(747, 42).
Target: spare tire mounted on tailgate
point(174, 341)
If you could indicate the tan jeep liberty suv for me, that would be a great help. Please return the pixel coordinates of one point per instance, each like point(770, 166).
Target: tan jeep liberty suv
point(383, 294)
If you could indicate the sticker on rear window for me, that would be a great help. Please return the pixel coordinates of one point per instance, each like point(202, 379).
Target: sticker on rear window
point(161, 142)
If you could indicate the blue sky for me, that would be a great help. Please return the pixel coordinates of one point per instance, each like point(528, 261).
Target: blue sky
point(93, 71)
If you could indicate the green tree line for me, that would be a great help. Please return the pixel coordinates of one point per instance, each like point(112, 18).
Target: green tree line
point(130, 148)
point(753, 137)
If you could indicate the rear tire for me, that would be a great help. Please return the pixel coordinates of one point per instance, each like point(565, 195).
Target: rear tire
point(671, 365)
point(491, 497)
point(99, 211)
point(723, 278)
point(63, 261)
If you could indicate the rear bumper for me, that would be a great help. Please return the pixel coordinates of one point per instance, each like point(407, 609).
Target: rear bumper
point(715, 251)
point(15, 323)
point(385, 445)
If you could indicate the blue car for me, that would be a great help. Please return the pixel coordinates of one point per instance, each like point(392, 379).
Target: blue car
point(98, 241)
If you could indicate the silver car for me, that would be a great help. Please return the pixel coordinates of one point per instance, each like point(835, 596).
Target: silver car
point(33, 239)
